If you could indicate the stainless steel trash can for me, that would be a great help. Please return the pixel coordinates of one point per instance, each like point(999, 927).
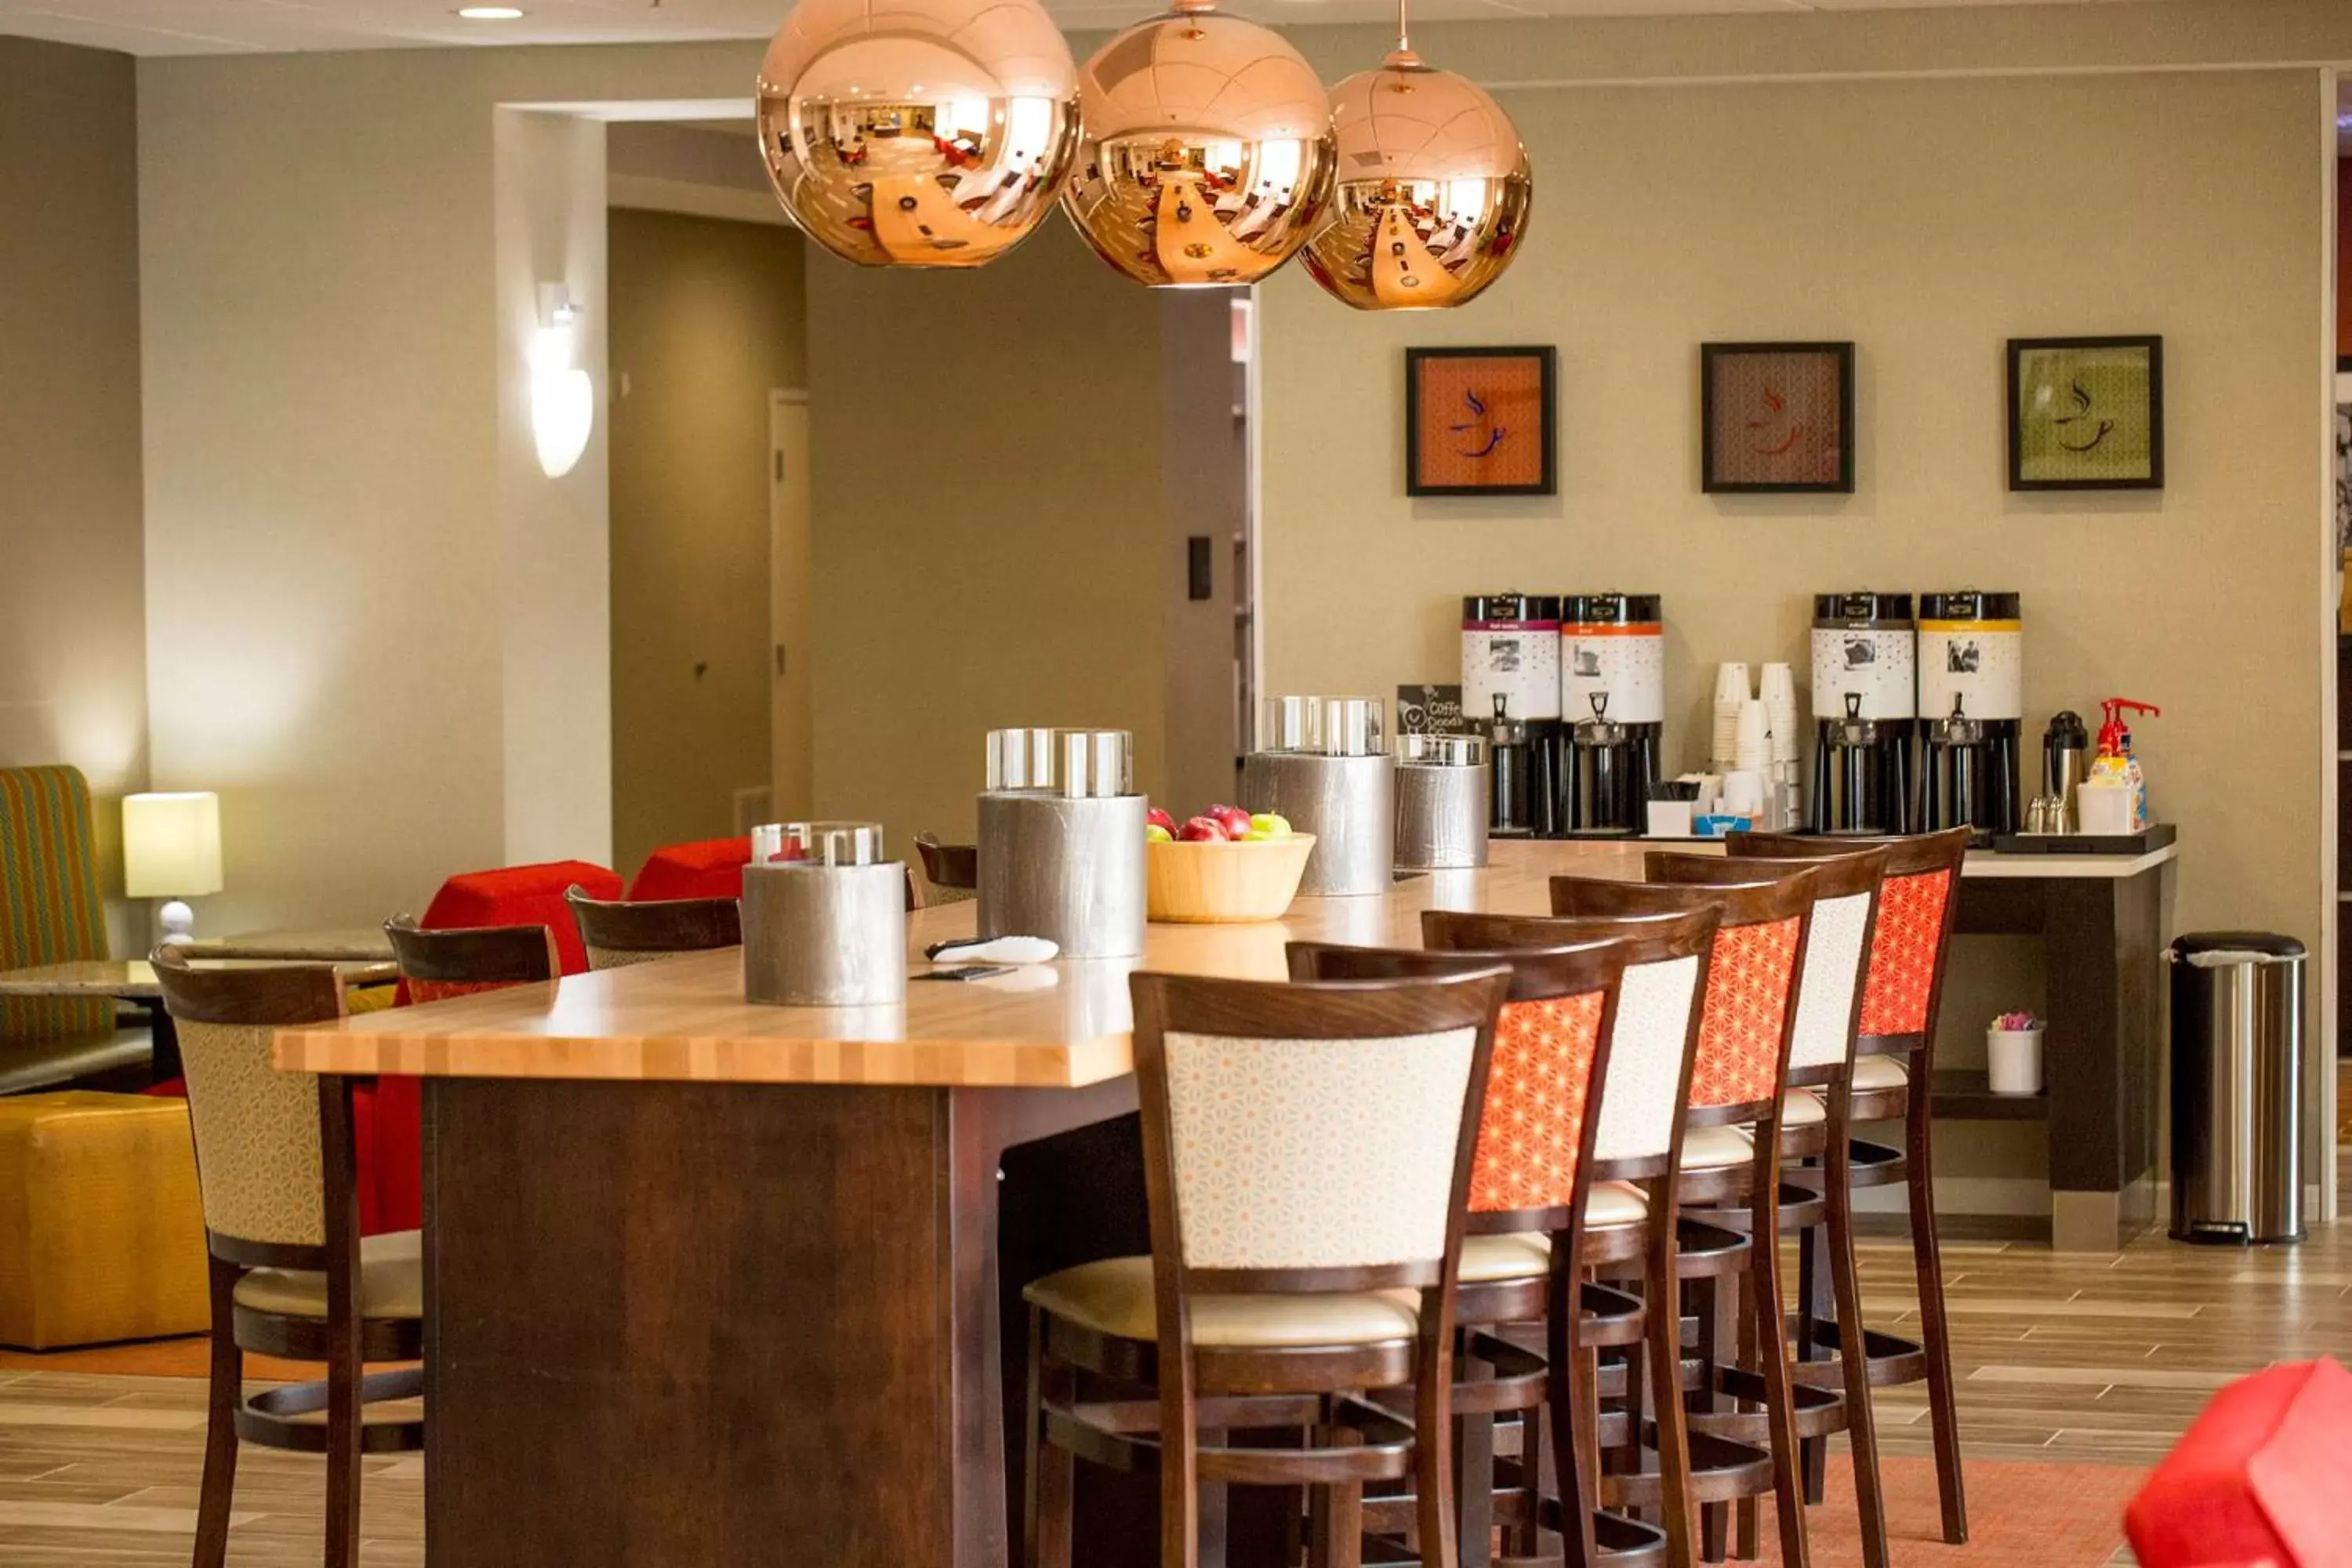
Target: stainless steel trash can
point(2237, 1086)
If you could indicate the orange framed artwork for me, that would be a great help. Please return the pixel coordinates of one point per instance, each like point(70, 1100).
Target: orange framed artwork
point(1480, 422)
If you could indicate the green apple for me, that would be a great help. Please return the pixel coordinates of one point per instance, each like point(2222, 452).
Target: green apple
point(1155, 834)
point(1266, 825)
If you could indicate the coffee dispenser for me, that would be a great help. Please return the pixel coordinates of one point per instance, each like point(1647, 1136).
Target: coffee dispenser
point(1510, 813)
point(1510, 670)
point(1864, 705)
point(1612, 686)
point(1972, 699)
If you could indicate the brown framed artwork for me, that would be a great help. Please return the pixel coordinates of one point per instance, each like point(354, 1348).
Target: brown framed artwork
point(2086, 414)
point(1776, 418)
point(1480, 422)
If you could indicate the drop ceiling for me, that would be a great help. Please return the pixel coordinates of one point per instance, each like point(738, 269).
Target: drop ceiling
point(250, 27)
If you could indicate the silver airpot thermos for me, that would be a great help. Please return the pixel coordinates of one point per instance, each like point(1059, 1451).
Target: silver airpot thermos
point(825, 917)
point(1061, 841)
point(1442, 791)
point(1321, 763)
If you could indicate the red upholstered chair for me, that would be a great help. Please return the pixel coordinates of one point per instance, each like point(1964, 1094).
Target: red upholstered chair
point(712, 869)
point(2257, 1477)
point(390, 1116)
point(524, 895)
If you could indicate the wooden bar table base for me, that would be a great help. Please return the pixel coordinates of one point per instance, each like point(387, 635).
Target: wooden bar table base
point(705, 1323)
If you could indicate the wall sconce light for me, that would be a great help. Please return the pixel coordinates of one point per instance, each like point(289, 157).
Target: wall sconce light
point(562, 399)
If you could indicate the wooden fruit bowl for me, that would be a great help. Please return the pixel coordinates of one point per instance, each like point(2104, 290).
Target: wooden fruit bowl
point(1224, 884)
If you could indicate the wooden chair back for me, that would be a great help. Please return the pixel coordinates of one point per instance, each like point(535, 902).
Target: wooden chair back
point(619, 934)
point(1533, 1164)
point(1837, 944)
point(1346, 1166)
point(275, 1151)
point(1749, 1014)
point(1654, 1047)
point(438, 964)
point(1911, 946)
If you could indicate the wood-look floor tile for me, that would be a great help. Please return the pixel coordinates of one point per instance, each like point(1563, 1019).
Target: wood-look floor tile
point(15, 1514)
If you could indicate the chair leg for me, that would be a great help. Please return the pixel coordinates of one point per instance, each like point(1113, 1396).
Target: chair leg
point(343, 1443)
point(1570, 1386)
point(1718, 1333)
point(1771, 1329)
point(1335, 1513)
point(227, 1389)
point(1854, 1349)
point(1816, 1305)
point(1047, 1480)
point(1527, 1541)
point(1474, 1472)
point(1663, 1325)
point(1927, 1258)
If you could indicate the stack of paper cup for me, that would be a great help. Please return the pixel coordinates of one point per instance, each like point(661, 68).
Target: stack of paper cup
point(1752, 745)
point(1780, 695)
point(1731, 694)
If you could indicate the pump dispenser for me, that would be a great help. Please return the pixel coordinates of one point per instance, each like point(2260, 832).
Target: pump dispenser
point(2113, 796)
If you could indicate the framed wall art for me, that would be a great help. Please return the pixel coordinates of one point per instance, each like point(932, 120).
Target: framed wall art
point(1480, 422)
point(2086, 414)
point(1776, 418)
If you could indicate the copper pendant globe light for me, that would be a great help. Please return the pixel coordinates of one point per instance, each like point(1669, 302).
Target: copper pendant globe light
point(1431, 201)
point(918, 132)
point(1207, 150)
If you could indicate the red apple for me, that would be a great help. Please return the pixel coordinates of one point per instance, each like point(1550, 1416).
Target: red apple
point(1203, 830)
point(1156, 817)
point(1233, 818)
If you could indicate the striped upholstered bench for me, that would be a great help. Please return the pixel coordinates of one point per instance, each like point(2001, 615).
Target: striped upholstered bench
point(50, 913)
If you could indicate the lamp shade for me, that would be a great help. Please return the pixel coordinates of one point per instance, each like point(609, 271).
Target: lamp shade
point(171, 845)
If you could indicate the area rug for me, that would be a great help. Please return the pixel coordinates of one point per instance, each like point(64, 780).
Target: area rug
point(2019, 1516)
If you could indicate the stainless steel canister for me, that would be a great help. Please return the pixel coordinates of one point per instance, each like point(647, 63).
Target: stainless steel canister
point(824, 918)
point(1321, 763)
point(1061, 841)
point(1441, 790)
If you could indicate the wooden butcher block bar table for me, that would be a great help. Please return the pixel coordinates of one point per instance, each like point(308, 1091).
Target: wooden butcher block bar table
point(714, 1283)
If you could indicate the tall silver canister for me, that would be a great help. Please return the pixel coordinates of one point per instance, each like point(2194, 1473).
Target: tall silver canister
point(825, 917)
point(1322, 764)
point(1442, 787)
point(1061, 841)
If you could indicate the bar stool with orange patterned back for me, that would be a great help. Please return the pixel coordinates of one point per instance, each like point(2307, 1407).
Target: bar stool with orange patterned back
point(1638, 1138)
point(1532, 1202)
point(1816, 1131)
point(1731, 1153)
point(1901, 1000)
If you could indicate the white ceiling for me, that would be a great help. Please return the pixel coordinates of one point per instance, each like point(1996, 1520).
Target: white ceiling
point(241, 27)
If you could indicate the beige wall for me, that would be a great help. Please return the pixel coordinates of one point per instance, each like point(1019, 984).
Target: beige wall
point(706, 319)
point(554, 624)
point(1929, 221)
point(1204, 487)
point(990, 538)
point(323, 395)
point(344, 560)
point(73, 669)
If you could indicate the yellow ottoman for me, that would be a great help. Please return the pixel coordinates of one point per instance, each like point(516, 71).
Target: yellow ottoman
point(102, 1237)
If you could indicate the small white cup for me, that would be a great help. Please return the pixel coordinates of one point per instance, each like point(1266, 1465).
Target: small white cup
point(2013, 1061)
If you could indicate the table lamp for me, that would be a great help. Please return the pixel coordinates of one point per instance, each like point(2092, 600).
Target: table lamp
point(172, 850)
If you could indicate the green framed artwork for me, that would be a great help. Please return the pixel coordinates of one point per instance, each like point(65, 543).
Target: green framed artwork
point(2086, 414)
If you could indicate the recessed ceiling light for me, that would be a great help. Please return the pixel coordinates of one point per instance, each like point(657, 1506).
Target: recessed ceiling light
point(491, 13)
